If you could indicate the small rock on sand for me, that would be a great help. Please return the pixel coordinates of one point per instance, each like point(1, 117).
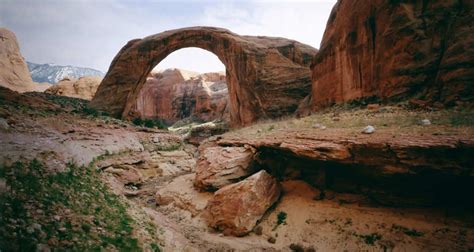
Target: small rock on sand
point(319, 126)
point(369, 129)
point(425, 122)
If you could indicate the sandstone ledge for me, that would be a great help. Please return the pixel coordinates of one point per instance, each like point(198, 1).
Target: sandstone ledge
point(405, 170)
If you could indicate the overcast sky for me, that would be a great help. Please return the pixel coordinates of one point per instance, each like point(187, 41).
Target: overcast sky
point(89, 33)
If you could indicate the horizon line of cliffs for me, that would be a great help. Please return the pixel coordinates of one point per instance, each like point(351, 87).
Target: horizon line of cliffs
point(380, 49)
point(169, 95)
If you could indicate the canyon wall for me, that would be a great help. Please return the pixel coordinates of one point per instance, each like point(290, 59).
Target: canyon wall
point(175, 94)
point(396, 50)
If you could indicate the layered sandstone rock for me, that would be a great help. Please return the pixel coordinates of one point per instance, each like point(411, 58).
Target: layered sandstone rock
point(235, 209)
point(221, 166)
point(84, 87)
point(392, 49)
point(407, 170)
point(267, 77)
point(175, 94)
point(14, 72)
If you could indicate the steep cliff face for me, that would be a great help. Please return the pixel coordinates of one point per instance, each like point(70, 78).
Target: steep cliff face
point(14, 73)
point(84, 87)
point(175, 94)
point(392, 49)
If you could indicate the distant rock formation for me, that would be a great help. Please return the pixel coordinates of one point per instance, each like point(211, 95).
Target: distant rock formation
point(84, 87)
point(175, 94)
point(13, 70)
point(52, 73)
point(390, 49)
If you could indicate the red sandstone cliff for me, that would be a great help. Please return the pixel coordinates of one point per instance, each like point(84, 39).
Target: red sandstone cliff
point(389, 49)
point(175, 94)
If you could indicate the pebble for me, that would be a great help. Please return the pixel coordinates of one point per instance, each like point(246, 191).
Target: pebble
point(4, 124)
point(3, 186)
point(369, 129)
point(43, 248)
point(425, 122)
point(373, 106)
point(30, 230)
point(36, 226)
point(319, 126)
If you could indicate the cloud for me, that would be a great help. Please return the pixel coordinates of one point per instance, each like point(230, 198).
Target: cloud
point(90, 33)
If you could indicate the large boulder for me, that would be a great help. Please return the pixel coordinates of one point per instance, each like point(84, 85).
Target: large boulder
point(396, 49)
point(174, 94)
point(14, 72)
point(84, 87)
point(235, 209)
point(220, 166)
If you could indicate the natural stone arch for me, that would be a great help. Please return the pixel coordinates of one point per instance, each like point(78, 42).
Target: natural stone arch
point(267, 77)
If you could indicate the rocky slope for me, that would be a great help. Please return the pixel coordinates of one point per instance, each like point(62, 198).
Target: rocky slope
point(175, 94)
point(392, 49)
point(392, 177)
point(83, 88)
point(52, 73)
point(323, 188)
point(13, 70)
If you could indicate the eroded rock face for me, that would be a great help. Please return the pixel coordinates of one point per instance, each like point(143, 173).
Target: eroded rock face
point(392, 49)
point(84, 87)
point(426, 170)
point(266, 76)
point(175, 94)
point(235, 209)
point(14, 72)
point(220, 166)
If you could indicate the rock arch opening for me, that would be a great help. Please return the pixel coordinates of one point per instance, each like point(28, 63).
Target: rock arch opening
point(189, 84)
point(267, 77)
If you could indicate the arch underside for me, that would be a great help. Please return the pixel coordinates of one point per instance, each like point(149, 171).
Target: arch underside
point(266, 77)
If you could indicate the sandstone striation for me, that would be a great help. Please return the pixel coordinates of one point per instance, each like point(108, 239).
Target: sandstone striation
point(84, 87)
point(267, 77)
point(14, 72)
point(221, 166)
point(235, 209)
point(404, 171)
point(175, 94)
point(391, 49)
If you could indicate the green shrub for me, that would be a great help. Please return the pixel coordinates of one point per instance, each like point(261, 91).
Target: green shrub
point(369, 239)
point(90, 111)
point(149, 123)
point(137, 121)
point(281, 218)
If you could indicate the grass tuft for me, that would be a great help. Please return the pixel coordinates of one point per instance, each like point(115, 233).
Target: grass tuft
point(66, 210)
